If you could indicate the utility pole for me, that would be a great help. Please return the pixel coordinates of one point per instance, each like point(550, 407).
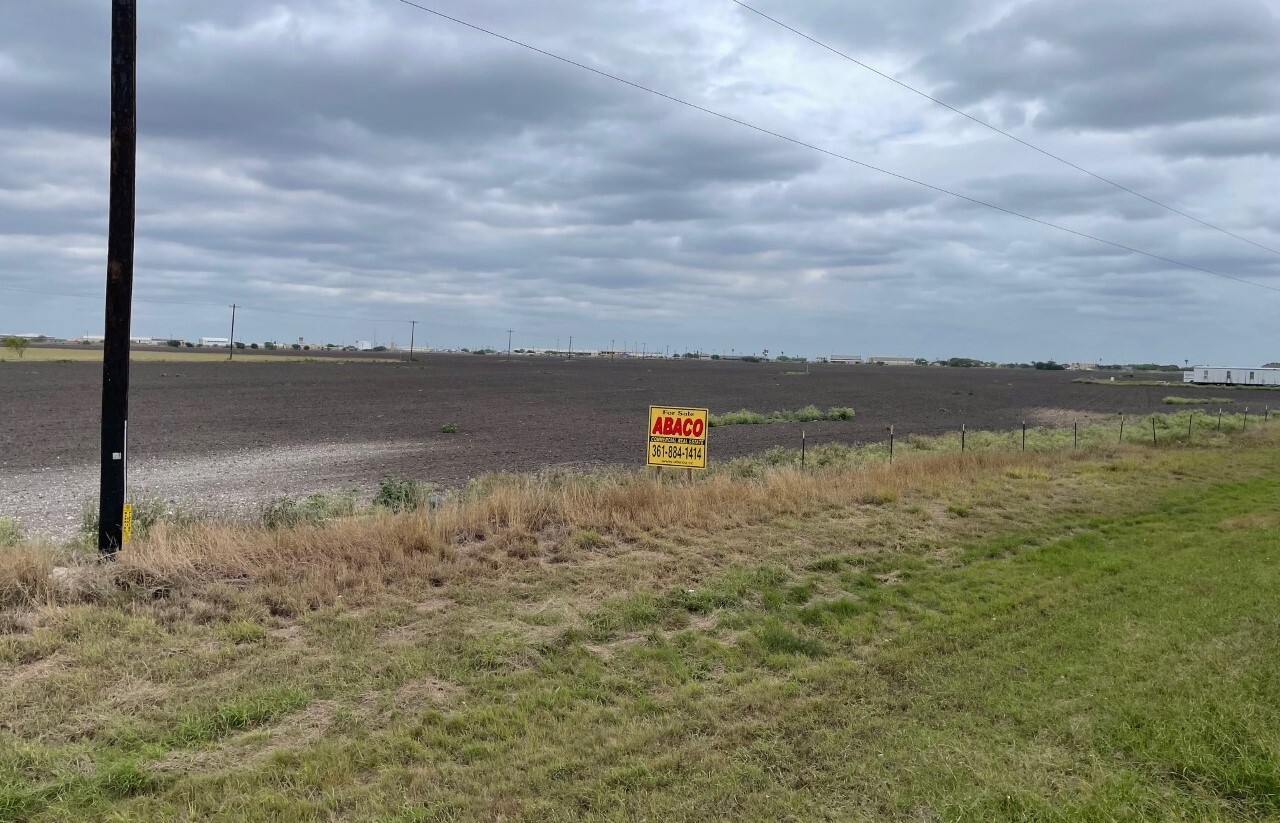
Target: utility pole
point(508, 345)
point(571, 347)
point(119, 303)
point(231, 345)
point(413, 330)
point(613, 350)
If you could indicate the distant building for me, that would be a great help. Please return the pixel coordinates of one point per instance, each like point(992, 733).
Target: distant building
point(1083, 366)
point(1233, 375)
point(363, 345)
point(846, 358)
point(89, 338)
point(215, 342)
point(885, 360)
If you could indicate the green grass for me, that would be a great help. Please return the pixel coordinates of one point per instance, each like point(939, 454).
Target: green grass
point(10, 532)
point(808, 414)
point(1092, 639)
point(1196, 401)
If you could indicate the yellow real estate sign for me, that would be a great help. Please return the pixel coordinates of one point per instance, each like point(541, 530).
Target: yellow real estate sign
point(677, 437)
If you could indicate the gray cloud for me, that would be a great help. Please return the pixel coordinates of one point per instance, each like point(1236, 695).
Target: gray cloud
point(359, 158)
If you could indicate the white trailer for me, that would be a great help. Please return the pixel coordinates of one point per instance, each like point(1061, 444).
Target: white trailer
point(1232, 376)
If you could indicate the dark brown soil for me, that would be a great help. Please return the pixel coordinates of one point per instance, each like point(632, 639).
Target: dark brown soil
point(523, 414)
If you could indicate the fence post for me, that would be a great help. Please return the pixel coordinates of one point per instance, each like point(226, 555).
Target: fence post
point(1153, 430)
point(1024, 435)
point(962, 438)
point(1191, 417)
point(891, 444)
point(1075, 435)
point(1121, 427)
point(802, 438)
point(1246, 418)
point(1219, 419)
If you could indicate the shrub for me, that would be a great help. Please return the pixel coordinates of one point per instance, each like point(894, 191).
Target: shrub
point(449, 428)
point(253, 345)
point(177, 344)
point(10, 533)
point(240, 345)
point(840, 413)
point(402, 494)
point(284, 512)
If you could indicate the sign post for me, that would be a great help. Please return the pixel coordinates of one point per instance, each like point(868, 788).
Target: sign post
point(677, 437)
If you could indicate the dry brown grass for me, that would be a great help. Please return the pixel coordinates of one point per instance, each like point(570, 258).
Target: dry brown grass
point(513, 520)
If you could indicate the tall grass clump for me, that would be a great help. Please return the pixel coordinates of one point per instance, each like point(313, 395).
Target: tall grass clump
point(402, 494)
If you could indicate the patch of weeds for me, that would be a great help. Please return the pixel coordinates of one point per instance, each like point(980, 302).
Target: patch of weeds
point(315, 509)
point(402, 494)
point(244, 631)
point(236, 715)
point(125, 780)
point(449, 428)
point(808, 414)
point(959, 510)
point(10, 533)
point(589, 539)
point(879, 497)
point(773, 637)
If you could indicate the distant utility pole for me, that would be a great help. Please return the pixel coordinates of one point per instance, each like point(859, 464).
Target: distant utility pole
point(119, 304)
point(413, 330)
point(571, 346)
point(508, 345)
point(231, 345)
point(613, 350)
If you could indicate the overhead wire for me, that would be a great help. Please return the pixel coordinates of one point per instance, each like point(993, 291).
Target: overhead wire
point(828, 152)
point(999, 130)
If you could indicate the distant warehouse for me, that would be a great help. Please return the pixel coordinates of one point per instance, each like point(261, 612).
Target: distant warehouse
point(885, 360)
point(845, 358)
point(1233, 375)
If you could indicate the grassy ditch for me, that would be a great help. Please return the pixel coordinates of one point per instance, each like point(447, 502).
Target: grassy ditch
point(1057, 635)
point(808, 414)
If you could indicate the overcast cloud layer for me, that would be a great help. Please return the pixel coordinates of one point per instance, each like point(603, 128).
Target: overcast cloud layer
point(359, 158)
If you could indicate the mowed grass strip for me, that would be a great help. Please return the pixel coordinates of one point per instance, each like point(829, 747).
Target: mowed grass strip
point(886, 660)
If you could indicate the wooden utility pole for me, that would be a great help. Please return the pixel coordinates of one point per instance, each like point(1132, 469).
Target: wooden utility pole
point(119, 302)
point(231, 344)
point(509, 345)
point(413, 330)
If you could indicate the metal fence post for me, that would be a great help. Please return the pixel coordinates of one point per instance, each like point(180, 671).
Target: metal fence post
point(802, 439)
point(1219, 419)
point(1153, 430)
point(1121, 427)
point(1075, 435)
point(1024, 435)
point(890, 444)
point(962, 438)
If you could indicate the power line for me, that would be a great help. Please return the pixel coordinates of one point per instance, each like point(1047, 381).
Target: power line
point(999, 130)
point(829, 152)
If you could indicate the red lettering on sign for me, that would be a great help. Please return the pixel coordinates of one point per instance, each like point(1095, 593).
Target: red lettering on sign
point(698, 428)
point(668, 425)
point(657, 426)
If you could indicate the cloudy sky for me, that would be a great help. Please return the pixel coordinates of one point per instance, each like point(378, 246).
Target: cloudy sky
point(368, 162)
